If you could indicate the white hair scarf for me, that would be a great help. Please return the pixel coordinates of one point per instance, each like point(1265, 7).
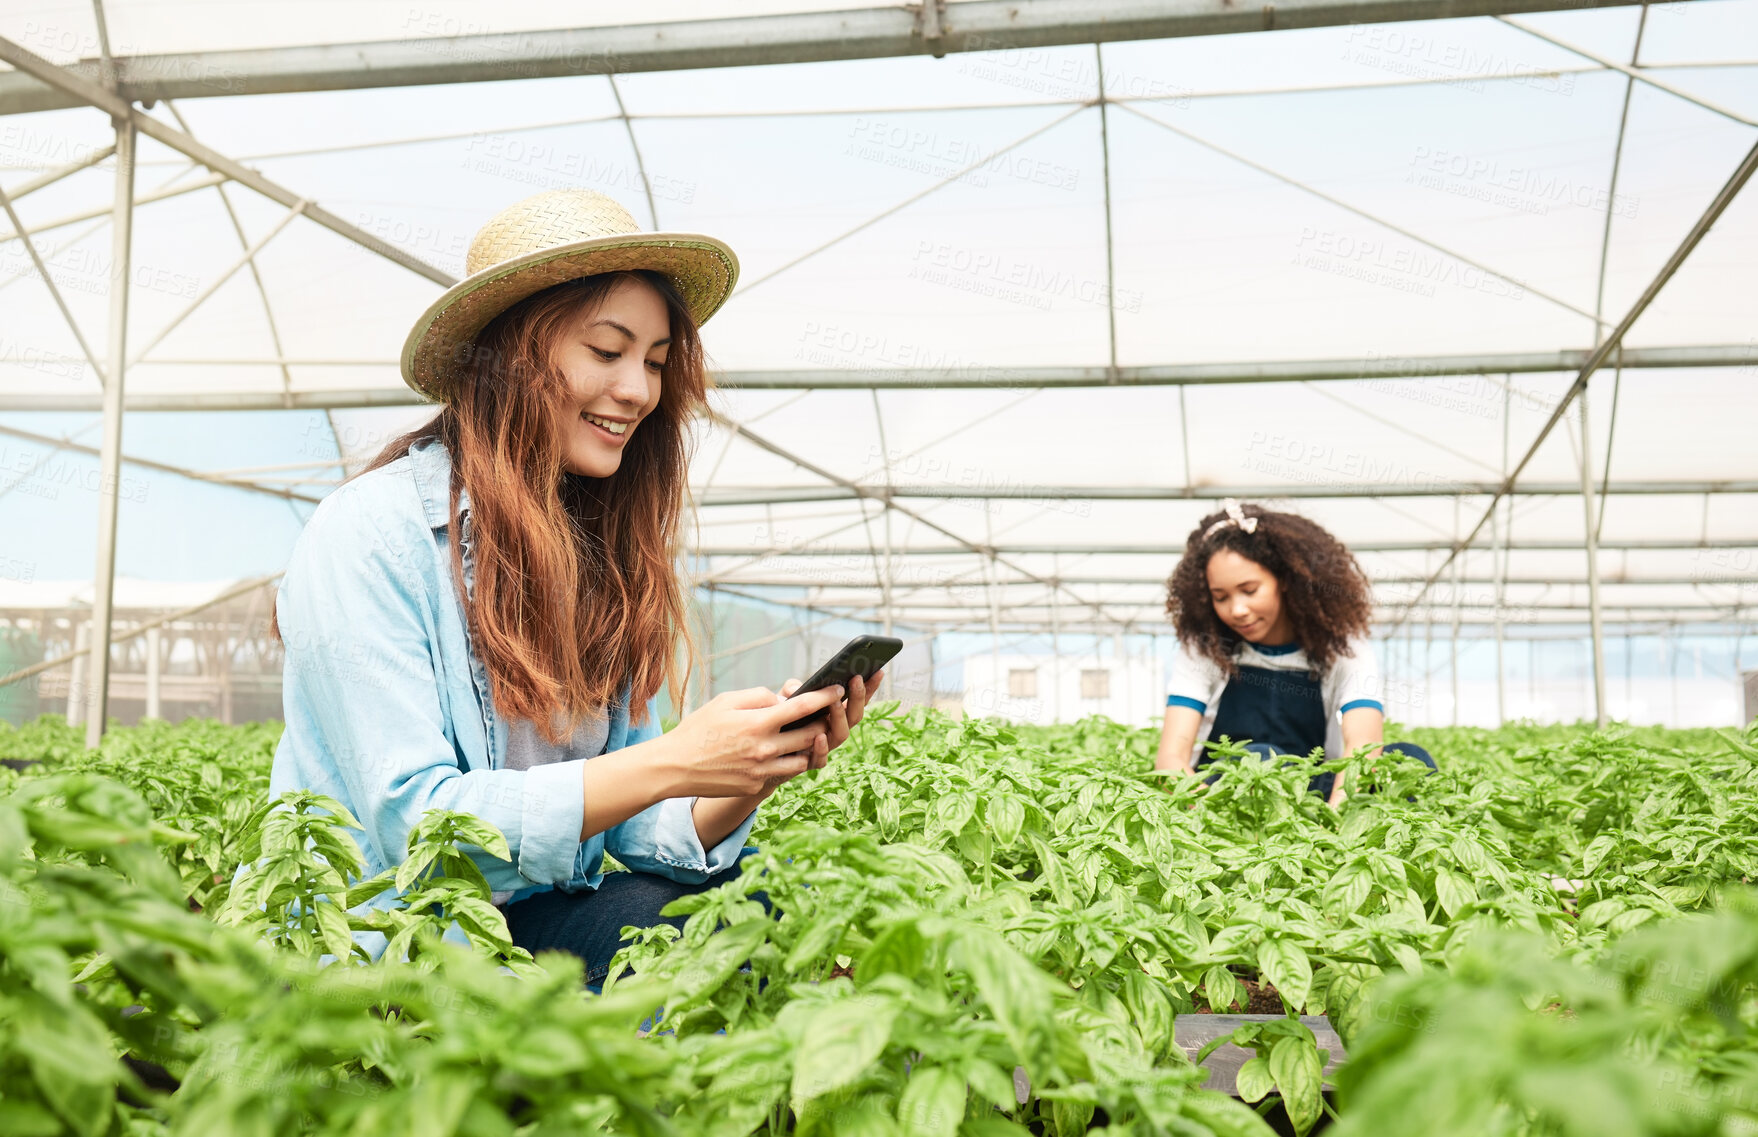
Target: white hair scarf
point(1235, 516)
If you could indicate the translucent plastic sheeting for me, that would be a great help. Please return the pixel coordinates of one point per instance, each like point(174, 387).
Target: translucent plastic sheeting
point(947, 217)
point(63, 30)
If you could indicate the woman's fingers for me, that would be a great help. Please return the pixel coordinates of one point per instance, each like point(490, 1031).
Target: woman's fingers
point(837, 720)
point(801, 705)
point(800, 739)
point(859, 691)
point(778, 770)
point(749, 699)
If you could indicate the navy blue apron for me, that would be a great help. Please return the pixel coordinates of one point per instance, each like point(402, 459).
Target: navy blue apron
point(1285, 709)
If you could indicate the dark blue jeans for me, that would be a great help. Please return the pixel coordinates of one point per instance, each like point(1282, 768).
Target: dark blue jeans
point(1321, 783)
point(590, 923)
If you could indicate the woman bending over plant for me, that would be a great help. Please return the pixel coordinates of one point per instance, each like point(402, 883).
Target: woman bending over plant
point(1272, 618)
point(481, 620)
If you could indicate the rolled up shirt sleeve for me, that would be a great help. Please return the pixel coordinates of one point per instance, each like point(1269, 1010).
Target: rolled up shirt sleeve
point(1357, 679)
point(363, 675)
point(662, 839)
point(1196, 680)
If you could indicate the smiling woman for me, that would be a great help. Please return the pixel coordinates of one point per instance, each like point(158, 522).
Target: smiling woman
point(1272, 618)
point(500, 584)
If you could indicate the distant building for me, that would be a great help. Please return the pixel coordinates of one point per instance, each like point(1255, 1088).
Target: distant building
point(1048, 688)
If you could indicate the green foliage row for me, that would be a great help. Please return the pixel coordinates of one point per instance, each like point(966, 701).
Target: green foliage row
point(982, 930)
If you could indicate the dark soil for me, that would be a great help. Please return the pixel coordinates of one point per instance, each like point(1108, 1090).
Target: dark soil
point(1261, 999)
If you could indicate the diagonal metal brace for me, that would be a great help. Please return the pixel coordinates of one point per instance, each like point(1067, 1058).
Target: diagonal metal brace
point(117, 107)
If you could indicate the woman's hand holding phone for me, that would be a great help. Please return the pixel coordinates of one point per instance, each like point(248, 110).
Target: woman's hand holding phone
point(735, 752)
point(733, 745)
point(842, 719)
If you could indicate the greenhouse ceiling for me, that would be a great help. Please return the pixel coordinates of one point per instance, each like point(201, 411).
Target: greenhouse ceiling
point(1027, 287)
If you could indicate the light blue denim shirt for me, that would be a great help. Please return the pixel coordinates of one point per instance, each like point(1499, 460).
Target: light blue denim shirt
point(389, 710)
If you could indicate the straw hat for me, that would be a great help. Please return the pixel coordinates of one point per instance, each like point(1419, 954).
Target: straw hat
point(544, 240)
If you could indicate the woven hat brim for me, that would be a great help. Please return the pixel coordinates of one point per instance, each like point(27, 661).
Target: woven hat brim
point(704, 271)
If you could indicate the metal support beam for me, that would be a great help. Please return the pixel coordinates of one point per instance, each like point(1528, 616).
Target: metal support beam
point(104, 211)
point(1499, 561)
point(1634, 73)
point(1592, 543)
point(247, 257)
point(818, 471)
point(161, 467)
point(887, 570)
point(1110, 240)
point(779, 495)
point(84, 91)
point(49, 283)
point(1158, 582)
point(1717, 206)
point(1458, 610)
point(154, 664)
point(50, 177)
point(1025, 548)
point(997, 378)
point(110, 461)
point(76, 682)
point(800, 37)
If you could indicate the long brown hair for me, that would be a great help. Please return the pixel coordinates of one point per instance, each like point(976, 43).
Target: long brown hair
point(575, 591)
point(1324, 591)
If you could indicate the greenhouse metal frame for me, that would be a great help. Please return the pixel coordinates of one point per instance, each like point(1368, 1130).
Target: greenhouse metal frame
point(946, 577)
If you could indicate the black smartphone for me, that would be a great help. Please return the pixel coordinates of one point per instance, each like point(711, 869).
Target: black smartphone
point(863, 656)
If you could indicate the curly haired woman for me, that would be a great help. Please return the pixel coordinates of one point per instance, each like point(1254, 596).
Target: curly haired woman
point(481, 619)
point(1272, 617)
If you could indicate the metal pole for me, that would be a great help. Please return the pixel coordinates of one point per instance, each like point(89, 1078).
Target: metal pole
point(1594, 615)
point(1672, 667)
point(886, 570)
point(1105, 173)
point(1723, 198)
point(994, 617)
point(1055, 643)
point(152, 673)
point(1629, 694)
point(1428, 649)
point(110, 463)
point(76, 680)
point(995, 677)
point(1499, 553)
point(1458, 600)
